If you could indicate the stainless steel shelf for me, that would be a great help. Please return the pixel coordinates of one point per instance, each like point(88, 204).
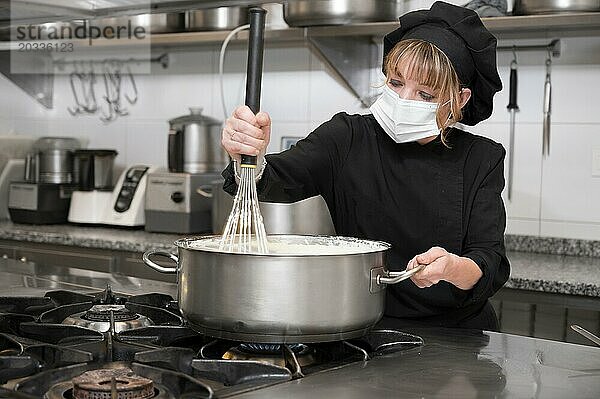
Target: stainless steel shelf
point(185, 39)
point(551, 25)
point(510, 27)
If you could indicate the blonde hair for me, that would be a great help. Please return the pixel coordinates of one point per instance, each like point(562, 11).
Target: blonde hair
point(428, 65)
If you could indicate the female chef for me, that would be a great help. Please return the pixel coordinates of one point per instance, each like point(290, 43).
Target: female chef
point(406, 173)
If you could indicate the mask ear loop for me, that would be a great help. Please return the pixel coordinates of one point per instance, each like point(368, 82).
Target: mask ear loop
point(445, 125)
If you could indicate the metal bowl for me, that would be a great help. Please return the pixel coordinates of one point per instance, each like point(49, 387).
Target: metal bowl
point(220, 18)
point(340, 12)
point(152, 23)
point(527, 7)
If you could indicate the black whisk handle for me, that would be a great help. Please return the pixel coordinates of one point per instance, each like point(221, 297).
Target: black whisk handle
point(256, 43)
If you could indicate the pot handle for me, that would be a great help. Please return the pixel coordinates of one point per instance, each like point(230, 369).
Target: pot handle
point(381, 277)
point(396, 277)
point(157, 267)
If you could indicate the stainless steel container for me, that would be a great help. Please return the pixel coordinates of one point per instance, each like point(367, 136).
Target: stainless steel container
point(55, 166)
point(340, 12)
point(281, 298)
point(527, 7)
point(152, 23)
point(195, 144)
point(51, 160)
point(309, 216)
point(220, 18)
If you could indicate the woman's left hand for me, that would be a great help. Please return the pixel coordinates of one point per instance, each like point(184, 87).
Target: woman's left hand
point(443, 265)
point(437, 260)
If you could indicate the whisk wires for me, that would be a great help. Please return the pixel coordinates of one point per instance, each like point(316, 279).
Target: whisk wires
point(245, 230)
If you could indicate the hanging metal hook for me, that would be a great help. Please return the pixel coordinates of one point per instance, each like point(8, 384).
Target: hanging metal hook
point(108, 97)
point(132, 100)
point(77, 109)
point(93, 103)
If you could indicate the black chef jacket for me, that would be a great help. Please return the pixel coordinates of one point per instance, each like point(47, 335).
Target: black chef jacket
point(410, 195)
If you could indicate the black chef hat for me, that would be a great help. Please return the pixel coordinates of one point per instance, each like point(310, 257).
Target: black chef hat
point(471, 48)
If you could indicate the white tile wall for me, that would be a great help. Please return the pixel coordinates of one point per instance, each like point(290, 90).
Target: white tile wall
point(555, 196)
point(152, 136)
point(570, 192)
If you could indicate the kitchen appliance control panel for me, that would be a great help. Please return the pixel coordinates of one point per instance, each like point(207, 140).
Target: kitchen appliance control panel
point(130, 184)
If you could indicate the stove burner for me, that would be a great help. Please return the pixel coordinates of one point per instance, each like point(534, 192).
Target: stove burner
point(102, 313)
point(271, 353)
point(104, 383)
point(98, 318)
point(268, 349)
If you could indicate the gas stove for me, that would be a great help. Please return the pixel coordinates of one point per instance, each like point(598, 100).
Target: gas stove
point(73, 345)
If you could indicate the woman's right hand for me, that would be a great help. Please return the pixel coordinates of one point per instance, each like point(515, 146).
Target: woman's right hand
point(246, 133)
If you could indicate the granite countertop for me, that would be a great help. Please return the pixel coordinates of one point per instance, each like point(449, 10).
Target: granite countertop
point(120, 239)
point(560, 274)
point(554, 265)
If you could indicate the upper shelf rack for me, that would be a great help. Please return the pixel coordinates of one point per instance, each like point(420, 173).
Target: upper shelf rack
point(510, 27)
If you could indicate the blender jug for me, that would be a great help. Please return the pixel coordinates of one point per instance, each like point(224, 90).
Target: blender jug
point(94, 169)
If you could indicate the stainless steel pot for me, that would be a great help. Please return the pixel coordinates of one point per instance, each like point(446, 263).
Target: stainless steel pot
point(340, 12)
point(152, 23)
point(309, 216)
point(195, 144)
point(281, 298)
point(526, 7)
point(220, 18)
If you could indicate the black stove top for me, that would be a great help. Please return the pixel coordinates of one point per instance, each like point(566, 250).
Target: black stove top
point(72, 345)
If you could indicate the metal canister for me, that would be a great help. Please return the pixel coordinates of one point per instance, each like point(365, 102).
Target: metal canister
point(195, 144)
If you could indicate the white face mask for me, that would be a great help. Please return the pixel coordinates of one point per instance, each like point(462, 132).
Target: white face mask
point(405, 120)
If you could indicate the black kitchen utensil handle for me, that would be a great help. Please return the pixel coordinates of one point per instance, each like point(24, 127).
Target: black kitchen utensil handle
point(512, 94)
point(256, 41)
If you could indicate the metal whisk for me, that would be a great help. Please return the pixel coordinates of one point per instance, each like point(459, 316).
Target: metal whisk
point(245, 230)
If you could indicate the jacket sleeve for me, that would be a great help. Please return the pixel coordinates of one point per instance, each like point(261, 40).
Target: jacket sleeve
point(307, 169)
point(484, 241)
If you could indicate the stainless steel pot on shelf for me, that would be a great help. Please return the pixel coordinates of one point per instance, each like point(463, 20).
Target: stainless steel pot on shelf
point(281, 298)
point(219, 18)
point(528, 7)
point(152, 23)
point(340, 12)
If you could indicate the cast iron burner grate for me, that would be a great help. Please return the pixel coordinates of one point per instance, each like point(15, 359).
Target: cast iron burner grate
point(47, 357)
